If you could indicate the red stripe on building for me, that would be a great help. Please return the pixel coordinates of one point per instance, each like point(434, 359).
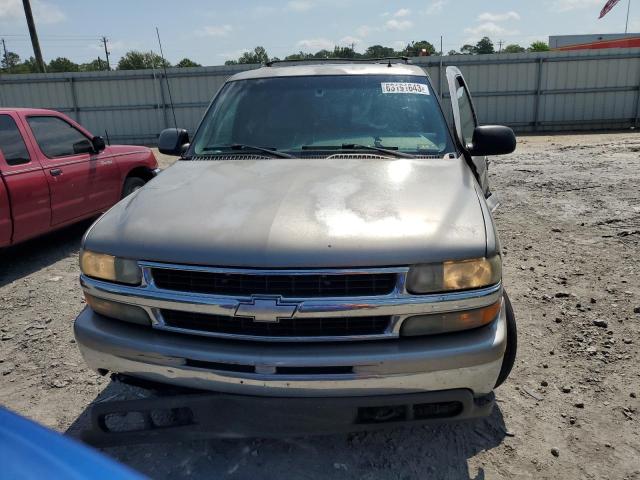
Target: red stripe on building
point(629, 42)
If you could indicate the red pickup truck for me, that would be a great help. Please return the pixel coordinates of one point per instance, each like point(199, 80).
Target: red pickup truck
point(53, 173)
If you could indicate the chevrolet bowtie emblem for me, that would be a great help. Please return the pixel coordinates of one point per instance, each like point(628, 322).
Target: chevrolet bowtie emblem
point(266, 309)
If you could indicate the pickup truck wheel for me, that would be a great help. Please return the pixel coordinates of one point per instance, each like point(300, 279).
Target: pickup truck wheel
point(512, 343)
point(131, 184)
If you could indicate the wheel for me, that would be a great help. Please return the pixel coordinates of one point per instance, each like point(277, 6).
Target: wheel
point(512, 343)
point(131, 184)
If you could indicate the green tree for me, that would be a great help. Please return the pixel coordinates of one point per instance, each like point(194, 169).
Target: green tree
point(453, 52)
point(343, 52)
point(378, 51)
point(62, 64)
point(538, 46)
point(322, 54)
point(415, 49)
point(9, 62)
point(136, 60)
point(484, 46)
point(94, 65)
point(187, 62)
point(467, 49)
point(299, 56)
point(28, 66)
point(258, 55)
point(514, 48)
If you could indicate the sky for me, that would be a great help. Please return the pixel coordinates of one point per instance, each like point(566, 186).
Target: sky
point(210, 32)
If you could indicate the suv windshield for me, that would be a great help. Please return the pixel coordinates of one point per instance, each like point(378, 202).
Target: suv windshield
point(295, 114)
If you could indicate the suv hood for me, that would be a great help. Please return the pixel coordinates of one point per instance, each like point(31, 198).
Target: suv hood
point(299, 213)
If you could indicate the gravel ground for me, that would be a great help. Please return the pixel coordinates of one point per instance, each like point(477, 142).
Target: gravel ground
point(570, 229)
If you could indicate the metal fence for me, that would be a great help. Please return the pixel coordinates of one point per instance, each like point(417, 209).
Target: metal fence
point(551, 91)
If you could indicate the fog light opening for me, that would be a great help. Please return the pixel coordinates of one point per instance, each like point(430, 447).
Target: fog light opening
point(425, 411)
point(384, 414)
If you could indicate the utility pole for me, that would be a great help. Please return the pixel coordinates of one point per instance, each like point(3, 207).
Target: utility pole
point(500, 42)
point(6, 58)
point(34, 36)
point(106, 52)
point(626, 25)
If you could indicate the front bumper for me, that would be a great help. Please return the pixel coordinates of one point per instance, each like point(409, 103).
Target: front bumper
point(468, 360)
point(194, 416)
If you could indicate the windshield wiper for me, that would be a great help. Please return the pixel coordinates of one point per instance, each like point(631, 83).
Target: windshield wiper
point(357, 146)
point(244, 146)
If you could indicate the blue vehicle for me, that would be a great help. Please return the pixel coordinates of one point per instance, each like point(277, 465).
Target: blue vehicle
point(30, 451)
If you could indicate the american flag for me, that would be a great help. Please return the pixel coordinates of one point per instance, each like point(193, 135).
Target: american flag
point(607, 7)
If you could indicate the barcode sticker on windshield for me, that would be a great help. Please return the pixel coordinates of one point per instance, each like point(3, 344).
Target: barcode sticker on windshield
point(405, 87)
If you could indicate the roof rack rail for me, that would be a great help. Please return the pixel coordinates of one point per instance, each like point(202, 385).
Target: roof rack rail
point(339, 59)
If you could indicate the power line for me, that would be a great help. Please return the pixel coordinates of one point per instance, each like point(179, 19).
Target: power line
point(69, 37)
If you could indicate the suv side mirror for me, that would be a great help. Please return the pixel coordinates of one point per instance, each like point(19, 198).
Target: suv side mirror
point(172, 141)
point(98, 144)
point(492, 140)
point(83, 146)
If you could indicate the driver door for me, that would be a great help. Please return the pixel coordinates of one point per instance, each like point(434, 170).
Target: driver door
point(74, 175)
point(465, 121)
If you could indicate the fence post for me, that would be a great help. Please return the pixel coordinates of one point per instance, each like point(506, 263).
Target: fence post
point(74, 99)
point(536, 107)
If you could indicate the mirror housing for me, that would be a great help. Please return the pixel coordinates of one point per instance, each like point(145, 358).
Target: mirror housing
point(83, 146)
point(492, 140)
point(98, 144)
point(172, 141)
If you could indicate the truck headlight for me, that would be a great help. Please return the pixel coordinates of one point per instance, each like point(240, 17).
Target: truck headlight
point(454, 275)
point(110, 268)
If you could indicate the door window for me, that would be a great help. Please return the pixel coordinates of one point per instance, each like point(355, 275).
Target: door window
point(467, 116)
point(56, 137)
point(11, 143)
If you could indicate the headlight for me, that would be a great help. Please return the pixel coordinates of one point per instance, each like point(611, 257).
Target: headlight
point(454, 275)
point(108, 267)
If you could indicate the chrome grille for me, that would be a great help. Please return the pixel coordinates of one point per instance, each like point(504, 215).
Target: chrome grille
point(285, 285)
point(183, 309)
point(285, 327)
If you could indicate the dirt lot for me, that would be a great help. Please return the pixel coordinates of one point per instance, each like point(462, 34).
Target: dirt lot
point(570, 229)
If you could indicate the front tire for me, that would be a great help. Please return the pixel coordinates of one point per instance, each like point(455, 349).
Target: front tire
point(131, 184)
point(512, 343)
